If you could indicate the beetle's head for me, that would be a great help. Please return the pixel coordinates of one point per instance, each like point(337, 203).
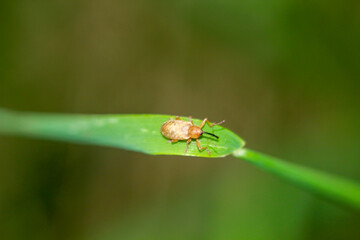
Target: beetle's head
point(196, 132)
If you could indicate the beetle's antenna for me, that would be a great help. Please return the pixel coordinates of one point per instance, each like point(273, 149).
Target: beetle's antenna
point(212, 135)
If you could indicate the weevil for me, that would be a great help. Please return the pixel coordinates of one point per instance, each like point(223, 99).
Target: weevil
point(178, 129)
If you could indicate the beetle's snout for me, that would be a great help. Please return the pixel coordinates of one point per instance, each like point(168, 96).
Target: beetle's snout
point(211, 134)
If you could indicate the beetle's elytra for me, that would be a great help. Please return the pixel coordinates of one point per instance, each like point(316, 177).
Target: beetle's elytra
point(178, 129)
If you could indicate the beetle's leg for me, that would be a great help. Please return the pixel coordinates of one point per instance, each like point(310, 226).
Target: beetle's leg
point(213, 124)
point(202, 148)
point(190, 119)
point(178, 118)
point(173, 140)
point(188, 143)
point(203, 122)
point(210, 124)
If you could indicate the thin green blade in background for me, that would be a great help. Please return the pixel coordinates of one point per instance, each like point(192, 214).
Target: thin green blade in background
point(343, 191)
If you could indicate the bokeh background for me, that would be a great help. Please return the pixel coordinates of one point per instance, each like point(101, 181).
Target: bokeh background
point(284, 74)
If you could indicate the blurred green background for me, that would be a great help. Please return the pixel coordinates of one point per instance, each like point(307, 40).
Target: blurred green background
point(284, 74)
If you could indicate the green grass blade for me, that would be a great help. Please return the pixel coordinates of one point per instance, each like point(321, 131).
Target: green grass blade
point(142, 133)
point(132, 132)
point(331, 187)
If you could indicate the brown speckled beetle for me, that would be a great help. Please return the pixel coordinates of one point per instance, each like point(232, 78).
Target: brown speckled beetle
point(186, 130)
